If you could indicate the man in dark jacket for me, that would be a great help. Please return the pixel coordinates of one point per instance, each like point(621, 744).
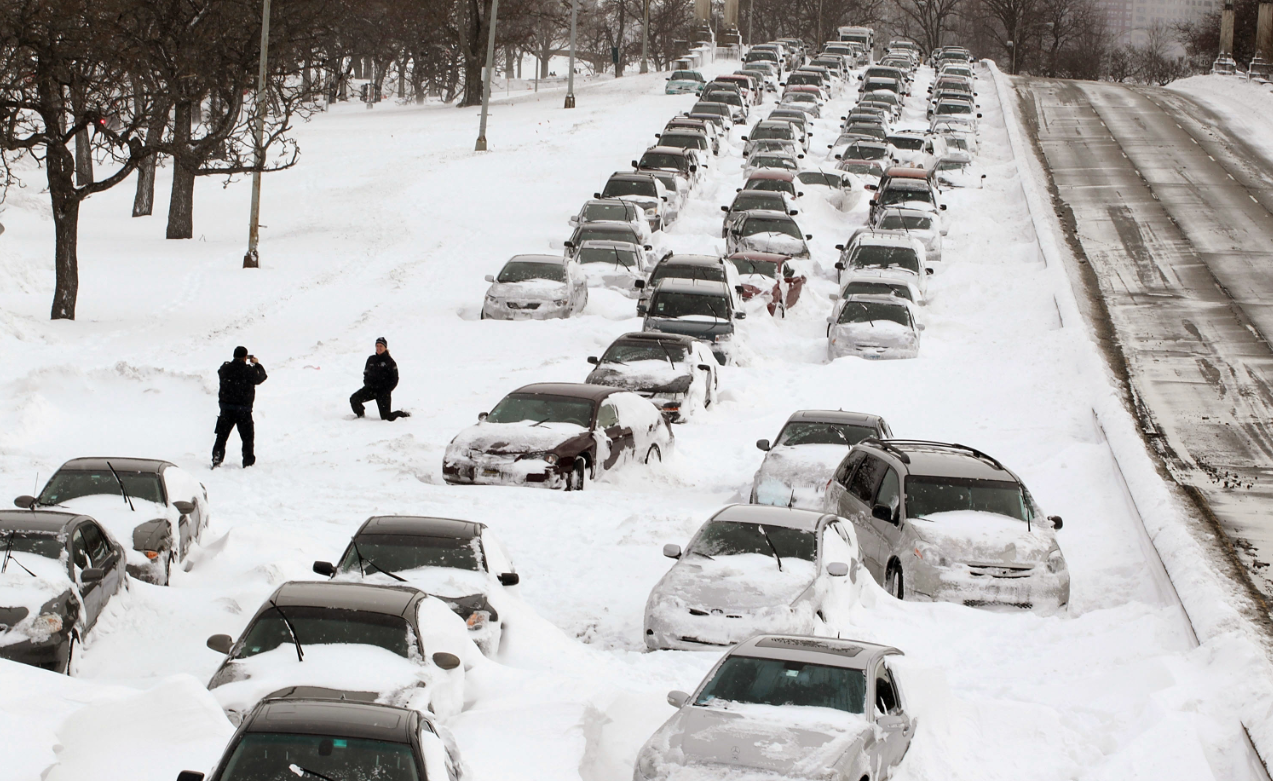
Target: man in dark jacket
point(239, 379)
point(379, 378)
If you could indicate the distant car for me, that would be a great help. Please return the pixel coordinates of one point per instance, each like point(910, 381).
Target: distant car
point(675, 372)
point(306, 733)
point(921, 224)
point(874, 251)
point(686, 139)
point(609, 231)
point(765, 130)
point(800, 461)
point(461, 563)
point(557, 435)
point(750, 200)
point(873, 327)
point(695, 307)
point(721, 113)
point(645, 191)
point(836, 187)
point(685, 82)
point(864, 149)
point(618, 265)
point(882, 283)
point(788, 707)
point(948, 522)
point(156, 506)
point(391, 644)
point(750, 569)
point(729, 96)
point(614, 210)
point(770, 276)
point(766, 145)
point(770, 180)
point(868, 171)
point(805, 101)
point(707, 267)
point(766, 231)
point(916, 193)
point(667, 158)
point(536, 287)
point(679, 123)
point(58, 571)
point(777, 161)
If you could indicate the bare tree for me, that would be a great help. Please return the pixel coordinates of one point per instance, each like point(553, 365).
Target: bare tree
point(932, 19)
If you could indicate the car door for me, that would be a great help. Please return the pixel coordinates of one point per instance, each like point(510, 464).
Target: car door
point(895, 726)
point(837, 593)
point(857, 509)
point(888, 533)
point(620, 437)
point(181, 487)
point(839, 483)
point(90, 550)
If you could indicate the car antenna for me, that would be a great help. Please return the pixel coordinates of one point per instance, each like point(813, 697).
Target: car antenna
point(300, 654)
point(122, 490)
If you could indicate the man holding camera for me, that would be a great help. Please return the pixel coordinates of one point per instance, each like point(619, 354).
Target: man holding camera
point(239, 379)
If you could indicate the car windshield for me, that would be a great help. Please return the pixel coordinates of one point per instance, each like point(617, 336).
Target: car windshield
point(957, 143)
point(271, 756)
point(715, 273)
point(401, 552)
point(683, 141)
point(746, 201)
point(782, 131)
point(686, 76)
point(906, 142)
point(874, 256)
point(805, 78)
point(723, 96)
point(862, 168)
point(727, 538)
point(46, 545)
point(771, 185)
point(884, 96)
point(905, 194)
point(773, 161)
point(631, 352)
point(873, 312)
point(812, 433)
point(766, 268)
point(954, 108)
point(617, 187)
point(863, 129)
point(66, 485)
point(786, 682)
point(671, 304)
point(819, 178)
point(594, 232)
point(897, 222)
point(663, 160)
point(755, 225)
point(800, 97)
point(324, 626)
point(520, 271)
point(710, 108)
point(930, 495)
point(613, 212)
point(866, 151)
point(608, 255)
point(517, 407)
point(878, 289)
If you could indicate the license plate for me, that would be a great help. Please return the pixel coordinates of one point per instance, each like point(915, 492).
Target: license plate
point(490, 472)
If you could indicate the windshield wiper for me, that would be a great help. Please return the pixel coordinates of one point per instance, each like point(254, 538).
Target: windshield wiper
point(670, 362)
point(8, 555)
point(362, 559)
point(291, 630)
point(122, 490)
point(769, 542)
point(541, 422)
point(304, 771)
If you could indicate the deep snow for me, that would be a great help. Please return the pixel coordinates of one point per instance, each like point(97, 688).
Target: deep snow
point(386, 229)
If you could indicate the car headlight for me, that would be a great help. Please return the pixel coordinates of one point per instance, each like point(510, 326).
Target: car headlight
point(560, 302)
point(1056, 562)
point(478, 619)
point(46, 625)
point(647, 764)
point(492, 299)
point(651, 210)
point(932, 555)
point(541, 455)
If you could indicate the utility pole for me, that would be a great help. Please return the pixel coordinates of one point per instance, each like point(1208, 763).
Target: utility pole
point(645, 39)
point(751, 14)
point(570, 77)
point(252, 259)
point(486, 81)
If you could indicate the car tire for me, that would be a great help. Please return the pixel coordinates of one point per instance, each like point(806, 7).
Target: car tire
point(481, 315)
point(653, 454)
point(895, 582)
point(578, 477)
point(68, 669)
point(657, 226)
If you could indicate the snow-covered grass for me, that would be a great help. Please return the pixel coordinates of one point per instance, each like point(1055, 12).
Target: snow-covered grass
point(386, 229)
point(1244, 106)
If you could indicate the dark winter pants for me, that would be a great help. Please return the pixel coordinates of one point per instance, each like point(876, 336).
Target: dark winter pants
point(383, 399)
point(229, 418)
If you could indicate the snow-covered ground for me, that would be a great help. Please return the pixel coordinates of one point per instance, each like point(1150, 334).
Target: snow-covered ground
point(387, 228)
point(1245, 106)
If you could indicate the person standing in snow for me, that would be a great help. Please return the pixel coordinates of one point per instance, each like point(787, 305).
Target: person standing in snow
point(239, 379)
point(379, 378)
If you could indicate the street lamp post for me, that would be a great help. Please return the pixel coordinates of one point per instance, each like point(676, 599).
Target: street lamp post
point(645, 39)
point(570, 77)
point(486, 82)
point(251, 259)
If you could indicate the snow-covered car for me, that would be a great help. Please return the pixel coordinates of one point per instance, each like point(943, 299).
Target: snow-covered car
point(767, 231)
point(461, 563)
point(804, 102)
point(618, 265)
point(727, 95)
point(800, 461)
point(391, 644)
point(686, 139)
point(950, 523)
point(919, 223)
point(868, 149)
point(158, 507)
point(909, 146)
point(614, 210)
point(772, 181)
point(873, 327)
point(886, 97)
point(58, 571)
point(557, 435)
point(719, 114)
point(607, 231)
point(754, 568)
point(778, 161)
point(835, 186)
point(769, 130)
point(675, 372)
point(769, 276)
point(307, 733)
point(894, 252)
point(684, 162)
point(536, 287)
point(779, 145)
point(679, 123)
point(780, 706)
point(881, 282)
point(799, 120)
point(660, 205)
point(837, 150)
point(706, 267)
point(869, 172)
point(750, 200)
point(685, 82)
point(699, 308)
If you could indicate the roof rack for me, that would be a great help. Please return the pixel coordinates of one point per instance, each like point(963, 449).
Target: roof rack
point(884, 444)
point(950, 446)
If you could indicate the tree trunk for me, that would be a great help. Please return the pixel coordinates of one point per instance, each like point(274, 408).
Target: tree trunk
point(181, 202)
point(474, 51)
point(144, 200)
point(59, 165)
point(83, 159)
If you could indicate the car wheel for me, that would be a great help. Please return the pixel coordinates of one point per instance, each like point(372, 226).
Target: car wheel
point(481, 315)
point(894, 582)
point(578, 476)
point(165, 577)
point(653, 454)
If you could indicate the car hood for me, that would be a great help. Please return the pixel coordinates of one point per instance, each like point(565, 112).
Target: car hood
point(804, 469)
point(23, 594)
point(530, 289)
point(515, 438)
point(971, 536)
point(656, 376)
point(749, 581)
point(791, 740)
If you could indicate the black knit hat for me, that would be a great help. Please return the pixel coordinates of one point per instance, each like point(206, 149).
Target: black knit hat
point(240, 352)
point(383, 341)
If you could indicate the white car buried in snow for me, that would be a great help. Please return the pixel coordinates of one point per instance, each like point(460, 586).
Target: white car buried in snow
point(802, 459)
point(873, 327)
point(918, 223)
point(617, 265)
point(536, 287)
point(614, 210)
point(675, 372)
point(753, 568)
point(892, 252)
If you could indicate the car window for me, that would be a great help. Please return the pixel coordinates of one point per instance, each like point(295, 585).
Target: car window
point(517, 407)
point(867, 478)
point(607, 416)
point(836, 545)
point(886, 701)
point(95, 540)
point(784, 682)
point(272, 755)
point(79, 550)
point(845, 470)
point(890, 491)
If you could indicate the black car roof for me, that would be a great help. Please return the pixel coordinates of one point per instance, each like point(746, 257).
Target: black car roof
point(35, 520)
point(690, 260)
point(421, 526)
point(576, 390)
point(940, 459)
point(95, 463)
point(336, 718)
point(656, 336)
point(389, 600)
point(834, 416)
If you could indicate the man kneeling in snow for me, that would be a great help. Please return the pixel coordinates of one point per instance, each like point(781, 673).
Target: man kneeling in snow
point(379, 378)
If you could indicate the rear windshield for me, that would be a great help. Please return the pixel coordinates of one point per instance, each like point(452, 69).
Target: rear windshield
point(518, 271)
point(325, 626)
point(66, 485)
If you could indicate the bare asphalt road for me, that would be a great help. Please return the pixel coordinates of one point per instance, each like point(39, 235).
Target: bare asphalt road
point(1175, 219)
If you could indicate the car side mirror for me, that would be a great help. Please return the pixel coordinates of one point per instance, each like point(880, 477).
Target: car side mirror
point(489, 277)
point(677, 699)
point(568, 244)
point(799, 157)
point(481, 416)
point(744, 138)
point(978, 116)
point(942, 207)
point(446, 661)
point(594, 360)
point(920, 326)
point(190, 775)
point(929, 271)
point(642, 309)
point(325, 568)
point(740, 315)
point(635, 164)
point(25, 502)
point(840, 247)
point(871, 187)
point(808, 236)
point(704, 367)
point(799, 195)
point(762, 444)
point(839, 265)
point(738, 289)
point(221, 643)
point(660, 135)
point(92, 575)
point(638, 284)
point(509, 578)
point(725, 209)
point(883, 512)
point(837, 569)
point(672, 551)
point(647, 247)
point(1057, 523)
point(663, 198)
